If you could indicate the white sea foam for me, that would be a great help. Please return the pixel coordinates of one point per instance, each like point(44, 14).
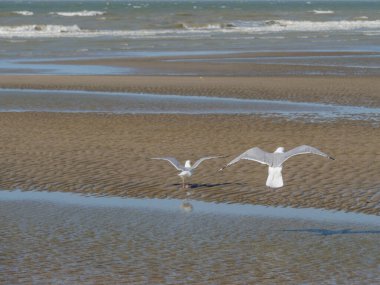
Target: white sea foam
point(307, 26)
point(361, 18)
point(184, 30)
point(32, 31)
point(23, 13)
point(83, 13)
point(209, 26)
point(374, 33)
point(323, 12)
point(328, 25)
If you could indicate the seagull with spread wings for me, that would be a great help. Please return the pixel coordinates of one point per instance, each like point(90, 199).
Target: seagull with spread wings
point(275, 160)
point(187, 169)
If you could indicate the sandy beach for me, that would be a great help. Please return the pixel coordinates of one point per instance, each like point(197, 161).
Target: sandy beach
point(343, 91)
point(109, 155)
point(90, 91)
point(258, 64)
point(225, 75)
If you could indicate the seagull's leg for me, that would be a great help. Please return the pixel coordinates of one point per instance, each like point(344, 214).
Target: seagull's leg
point(183, 181)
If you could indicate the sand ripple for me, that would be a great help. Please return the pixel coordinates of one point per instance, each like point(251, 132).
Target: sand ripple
point(43, 243)
point(109, 155)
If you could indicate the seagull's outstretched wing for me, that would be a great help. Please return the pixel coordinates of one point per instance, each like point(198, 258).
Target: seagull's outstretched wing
point(255, 154)
point(304, 149)
point(199, 161)
point(172, 160)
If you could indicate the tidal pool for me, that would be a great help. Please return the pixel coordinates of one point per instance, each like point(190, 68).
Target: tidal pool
point(62, 238)
point(24, 100)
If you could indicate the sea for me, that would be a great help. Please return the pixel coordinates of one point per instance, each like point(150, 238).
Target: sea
point(77, 29)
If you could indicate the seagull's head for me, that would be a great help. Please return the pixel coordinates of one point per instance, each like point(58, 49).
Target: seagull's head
point(187, 163)
point(280, 150)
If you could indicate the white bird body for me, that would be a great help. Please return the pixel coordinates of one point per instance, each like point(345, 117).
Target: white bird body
point(274, 179)
point(187, 169)
point(275, 160)
point(185, 173)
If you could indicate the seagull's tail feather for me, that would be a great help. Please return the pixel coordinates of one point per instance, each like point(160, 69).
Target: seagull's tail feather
point(274, 179)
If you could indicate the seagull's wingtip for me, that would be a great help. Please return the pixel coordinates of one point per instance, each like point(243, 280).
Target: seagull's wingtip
point(331, 158)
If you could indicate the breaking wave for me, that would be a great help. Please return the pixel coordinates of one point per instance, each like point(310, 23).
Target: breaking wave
point(284, 26)
point(29, 31)
point(84, 13)
point(323, 12)
point(183, 29)
point(273, 26)
point(23, 13)
point(209, 26)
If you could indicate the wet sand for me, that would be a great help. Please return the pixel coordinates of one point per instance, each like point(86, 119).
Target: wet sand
point(109, 155)
point(221, 75)
point(58, 243)
point(245, 64)
point(359, 91)
point(80, 101)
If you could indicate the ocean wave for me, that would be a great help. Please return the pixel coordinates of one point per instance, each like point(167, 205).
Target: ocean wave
point(207, 26)
point(185, 30)
point(361, 18)
point(323, 12)
point(313, 26)
point(29, 31)
point(23, 13)
point(275, 26)
point(83, 13)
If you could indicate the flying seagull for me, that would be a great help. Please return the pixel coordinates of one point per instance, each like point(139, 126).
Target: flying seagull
point(275, 160)
point(187, 169)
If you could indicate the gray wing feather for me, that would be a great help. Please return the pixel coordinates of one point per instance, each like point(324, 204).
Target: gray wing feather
point(304, 149)
point(255, 154)
point(172, 161)
point(199, 161)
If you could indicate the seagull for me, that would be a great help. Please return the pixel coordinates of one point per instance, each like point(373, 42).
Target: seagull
point(275, 160)
point(187, 169)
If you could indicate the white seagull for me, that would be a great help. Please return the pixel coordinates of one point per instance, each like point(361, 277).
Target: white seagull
point(275, 160)
point(187, 169)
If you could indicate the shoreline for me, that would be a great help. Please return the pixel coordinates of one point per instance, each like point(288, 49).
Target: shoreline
point(354, 91)
point(199, 207)
point(81, 101)
point(235, 64)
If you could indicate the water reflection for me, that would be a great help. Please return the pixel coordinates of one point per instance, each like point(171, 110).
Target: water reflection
point(200, 206)
point(23, 100)
point(63, 238)
point(186, 206)
point(37, 66)
point(326, 232)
